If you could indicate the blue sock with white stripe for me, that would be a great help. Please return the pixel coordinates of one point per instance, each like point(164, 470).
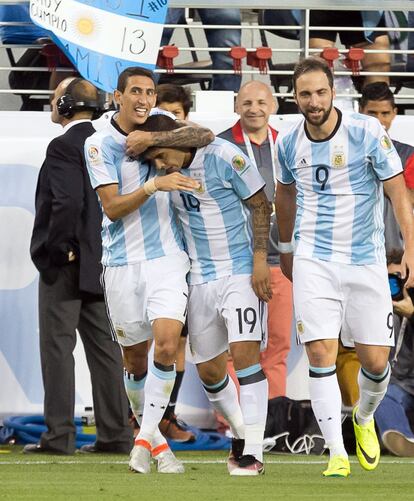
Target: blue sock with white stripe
point(253, 402)
point(326, 404)
point(372, 389)
point(158, 387)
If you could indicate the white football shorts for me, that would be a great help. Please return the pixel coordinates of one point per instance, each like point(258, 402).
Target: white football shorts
point(137, 294)
point(221, 312)
point(336, 299)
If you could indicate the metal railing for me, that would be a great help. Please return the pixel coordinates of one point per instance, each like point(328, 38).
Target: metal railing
point(302, 50)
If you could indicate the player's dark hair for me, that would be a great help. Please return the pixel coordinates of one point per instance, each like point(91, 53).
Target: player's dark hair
point(133, 71)
point(310, 64)
point(376, 91)
point(171, 93)
point(158, 123)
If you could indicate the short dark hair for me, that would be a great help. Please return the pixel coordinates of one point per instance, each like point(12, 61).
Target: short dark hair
point(171, 93)
point(158, 123)
point(133, 71)
point(376, 91)
point(312, 64)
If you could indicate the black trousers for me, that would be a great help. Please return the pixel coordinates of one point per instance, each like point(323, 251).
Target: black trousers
point(62, 310)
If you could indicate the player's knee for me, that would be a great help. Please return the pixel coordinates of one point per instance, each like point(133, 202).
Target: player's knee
point(166, 350)
point(245, 354)
point(135, 358)
point(321, 353)
point(210, 374)
point(376, 366)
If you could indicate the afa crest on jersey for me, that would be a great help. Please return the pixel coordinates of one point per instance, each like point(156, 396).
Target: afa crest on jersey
point(338, 159)
point(198, 176)
point(201, 189)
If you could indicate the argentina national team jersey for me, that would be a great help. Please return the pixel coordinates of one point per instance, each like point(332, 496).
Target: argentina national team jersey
point(339, 191)
point(139, 235)
point(215, 219)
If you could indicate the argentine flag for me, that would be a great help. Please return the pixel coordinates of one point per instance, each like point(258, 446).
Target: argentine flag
point(103, 37)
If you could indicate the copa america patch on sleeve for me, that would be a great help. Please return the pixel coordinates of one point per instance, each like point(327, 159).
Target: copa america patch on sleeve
point(238, 163)
point(93, 154)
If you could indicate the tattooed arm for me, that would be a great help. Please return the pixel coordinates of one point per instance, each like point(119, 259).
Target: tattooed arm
point(260, 209)
point(188, 136)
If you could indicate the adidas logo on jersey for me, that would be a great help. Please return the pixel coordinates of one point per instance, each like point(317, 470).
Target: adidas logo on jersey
point(303, 163)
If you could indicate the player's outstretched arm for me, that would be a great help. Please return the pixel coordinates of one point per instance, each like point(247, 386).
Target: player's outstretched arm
point(187, 136)
point(117, 206)
point(260, 210)
point(285, 203)
point(397, 192)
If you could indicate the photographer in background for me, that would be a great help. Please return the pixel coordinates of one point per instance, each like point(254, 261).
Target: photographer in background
point(392, 415)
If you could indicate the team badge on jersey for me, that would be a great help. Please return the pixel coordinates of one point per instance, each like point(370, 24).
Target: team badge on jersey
point(338, 159)
point(201, 188)
point(197, 175)
point(238, 163)
point(93, 154)
point(385, 142)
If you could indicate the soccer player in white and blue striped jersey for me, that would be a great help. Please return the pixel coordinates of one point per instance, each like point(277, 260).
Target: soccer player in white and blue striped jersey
point(229, 282)
point(145, 265)
point(331, 169)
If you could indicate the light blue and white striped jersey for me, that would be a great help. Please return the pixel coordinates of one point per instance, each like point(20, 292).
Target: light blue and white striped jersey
point(149, 232)
point(339, 191)
point(215, 219)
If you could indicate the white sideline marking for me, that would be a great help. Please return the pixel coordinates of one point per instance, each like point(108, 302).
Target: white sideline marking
point(193, 461)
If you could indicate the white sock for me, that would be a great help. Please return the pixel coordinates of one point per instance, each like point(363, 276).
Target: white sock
point(253, 402)
point(134, 386)
point(158, 387)
point(372, 389)
point(326, 404)
point(223, 396)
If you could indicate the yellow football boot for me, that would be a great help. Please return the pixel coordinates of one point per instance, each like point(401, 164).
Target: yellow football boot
point(367, 445)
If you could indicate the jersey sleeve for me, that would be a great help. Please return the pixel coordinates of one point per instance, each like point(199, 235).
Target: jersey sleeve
point(385, 160)
point(99, 161)
point(282, 172)
point(240, 173)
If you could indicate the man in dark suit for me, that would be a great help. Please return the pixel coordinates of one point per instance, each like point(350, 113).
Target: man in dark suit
point(66, 249)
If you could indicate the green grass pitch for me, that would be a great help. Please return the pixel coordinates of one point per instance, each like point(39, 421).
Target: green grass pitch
point(106, 477)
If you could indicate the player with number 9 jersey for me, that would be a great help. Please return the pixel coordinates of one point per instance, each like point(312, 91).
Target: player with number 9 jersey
point(339, 183)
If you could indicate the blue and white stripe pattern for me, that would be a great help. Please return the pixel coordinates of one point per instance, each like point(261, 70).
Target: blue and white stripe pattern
point(147, 233)
point(340, 195)
point(215, 220)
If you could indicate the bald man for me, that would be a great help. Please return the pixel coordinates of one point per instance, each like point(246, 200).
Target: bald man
point(66, 249)
point(253, 134)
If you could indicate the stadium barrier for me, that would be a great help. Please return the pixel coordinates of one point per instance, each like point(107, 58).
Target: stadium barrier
point(23, 140)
